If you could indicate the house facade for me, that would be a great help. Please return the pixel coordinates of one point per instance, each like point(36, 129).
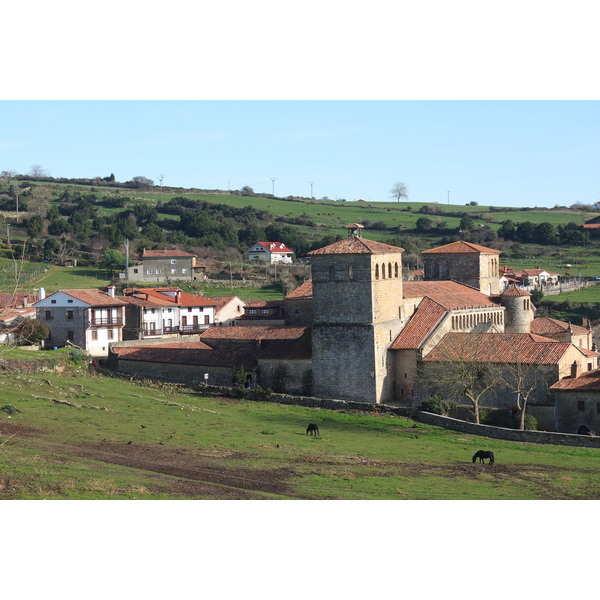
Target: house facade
point(89, 319)
point(166, 265)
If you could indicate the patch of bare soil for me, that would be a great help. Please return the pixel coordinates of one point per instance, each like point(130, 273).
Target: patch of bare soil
point(198, 473)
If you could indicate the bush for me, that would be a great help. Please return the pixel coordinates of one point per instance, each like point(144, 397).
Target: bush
point(531, 423)
point(9, 409)
point(78, 357)
point(437, 405)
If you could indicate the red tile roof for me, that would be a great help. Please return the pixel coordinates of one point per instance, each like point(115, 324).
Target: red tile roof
point(590, 380)
point(94, 297)
point(548, 326)
point(425, 319)
point(18, 299)
point(533, 272)
point(276, 247)
point(356, 245)
point(449, 294)
point(257, 333)
point(195, 353)
point(303, 291)
point(160, 297)
point(514, 291)
point(165, 254)
point(499, 348)
point(460, 247)
point(222, 301)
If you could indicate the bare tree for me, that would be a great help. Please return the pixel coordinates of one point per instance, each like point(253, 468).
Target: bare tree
point(9, 174)
point(37, 171)
point(459, 369)
point(525, 380)
point(399, 191)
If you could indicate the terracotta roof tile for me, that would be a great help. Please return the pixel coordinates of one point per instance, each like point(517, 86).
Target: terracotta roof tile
point(303, 291)
point(499, 348)
point(590, 380)
point(94, 297)
point(548, 326)
point(449, 294)
point(276, 247)
point(257, 333)
point(165, 254)
point(515, 291)
point(356, 245)
point(425, 319)
point(460, 247)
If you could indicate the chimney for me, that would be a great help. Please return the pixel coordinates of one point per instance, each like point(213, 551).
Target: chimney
point(42, 293)
point(111, 291)
point(575, 369)
point(178, 297)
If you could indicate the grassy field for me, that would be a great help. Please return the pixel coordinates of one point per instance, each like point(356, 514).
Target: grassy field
point(81, 435)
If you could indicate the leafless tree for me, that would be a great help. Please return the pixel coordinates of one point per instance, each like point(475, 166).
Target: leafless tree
point(399, 191)
point(525, 380)
point(37, 171)
point(460, 371)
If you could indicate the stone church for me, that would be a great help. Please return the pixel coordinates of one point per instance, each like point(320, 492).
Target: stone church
point(358, 331)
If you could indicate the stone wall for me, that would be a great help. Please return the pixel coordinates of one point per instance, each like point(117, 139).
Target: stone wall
point(576, 408)
point(514, 435)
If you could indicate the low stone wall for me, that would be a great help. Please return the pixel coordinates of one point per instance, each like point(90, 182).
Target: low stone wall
point(514, 435)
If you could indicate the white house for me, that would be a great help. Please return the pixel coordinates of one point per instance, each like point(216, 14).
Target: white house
point(269, 252)
point(90, 319)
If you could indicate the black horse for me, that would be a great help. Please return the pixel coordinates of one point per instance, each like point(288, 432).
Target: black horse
point(481, 454)
point(313, 429)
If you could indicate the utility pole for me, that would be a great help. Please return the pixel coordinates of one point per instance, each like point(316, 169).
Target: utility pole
point(448, 196)
point(17, 204)
point(311, 189)
point(160, 178)
point(126, 263)
point(273, 180)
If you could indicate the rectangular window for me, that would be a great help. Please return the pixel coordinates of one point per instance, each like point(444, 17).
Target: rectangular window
point(189, 310)
point(70, 335)
point(48, 315)
point(110, 334)
point(158, 271)
point(148, 271)
point(183, 271)
point(69, 301)
point(207, 319)
point(252, 311)
point(70, 315)
point(581, 405)
point(94, 334)
point(169, 310)
point(136, 271)
point(53, 301)
point(264, 311)
point(173, 271)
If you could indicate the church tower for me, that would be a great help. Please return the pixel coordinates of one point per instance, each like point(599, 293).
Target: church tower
point(357, 301)
point(519, 310)
point(467, 263)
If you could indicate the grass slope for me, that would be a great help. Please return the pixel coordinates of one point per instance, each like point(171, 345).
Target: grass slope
point(83, 435)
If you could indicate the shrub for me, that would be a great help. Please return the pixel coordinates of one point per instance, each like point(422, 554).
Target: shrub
point(78, 357)
point(531, 423)
point(437, 405)
point(9, 409)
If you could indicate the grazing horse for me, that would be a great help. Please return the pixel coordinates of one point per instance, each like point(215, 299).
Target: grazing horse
point(481, 454)
point(313, 429)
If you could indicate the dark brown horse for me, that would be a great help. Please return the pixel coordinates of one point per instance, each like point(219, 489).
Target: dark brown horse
point(313, 429)
point(481, 454)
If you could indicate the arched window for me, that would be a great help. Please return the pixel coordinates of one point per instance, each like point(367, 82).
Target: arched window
point(376, 271)
point(350, 272)
point(383, 271)
point(396, 270)
point(389, 270)
point(331, 272)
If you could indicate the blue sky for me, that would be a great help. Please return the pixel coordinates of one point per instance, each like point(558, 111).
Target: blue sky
point(501, 153)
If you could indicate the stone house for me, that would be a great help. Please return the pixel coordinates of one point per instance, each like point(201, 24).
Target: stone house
point(166, 265)
point(89, 319)
point(577, 403)
point(262, 313)
point(299, 306)
point(269, 252)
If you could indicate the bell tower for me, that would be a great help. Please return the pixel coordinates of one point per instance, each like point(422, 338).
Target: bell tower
point(357, 298)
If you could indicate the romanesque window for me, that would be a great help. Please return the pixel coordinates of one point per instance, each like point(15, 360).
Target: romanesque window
point(376, 271)
point(331, 272)
point(389, 270)
point(350, 272)
point(396, 270)
point(383, 271)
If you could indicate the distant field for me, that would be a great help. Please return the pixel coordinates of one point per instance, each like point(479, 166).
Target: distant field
point(60, 278)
